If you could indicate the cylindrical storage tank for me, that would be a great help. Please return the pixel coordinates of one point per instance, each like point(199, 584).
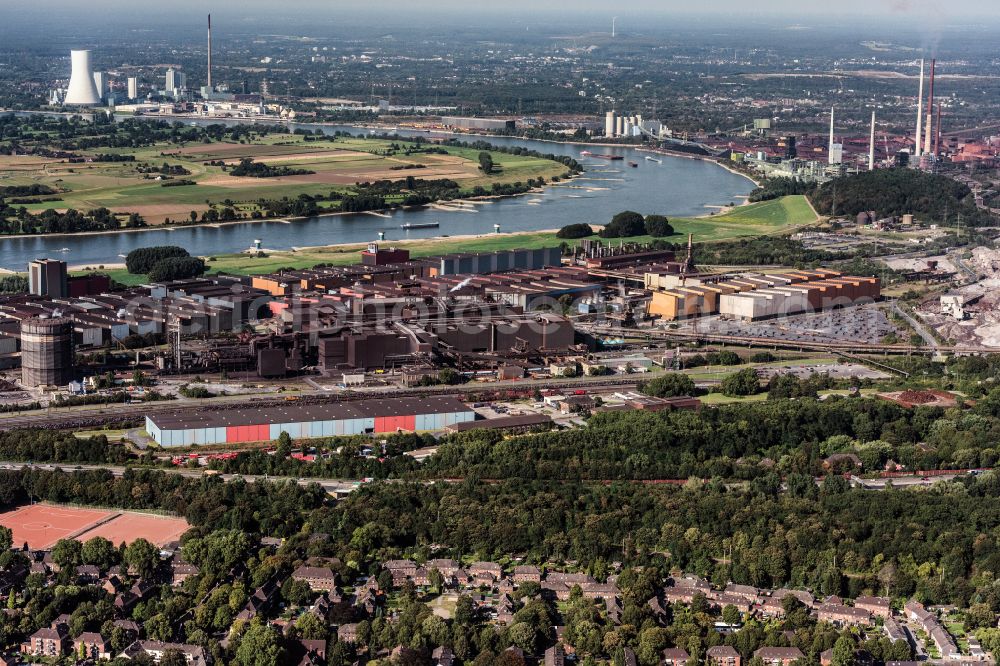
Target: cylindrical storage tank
point(46, 352)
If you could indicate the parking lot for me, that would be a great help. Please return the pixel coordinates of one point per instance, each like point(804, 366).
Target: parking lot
point(864, 324)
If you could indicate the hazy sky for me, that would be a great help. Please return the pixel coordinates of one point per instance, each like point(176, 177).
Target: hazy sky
point(940, 8)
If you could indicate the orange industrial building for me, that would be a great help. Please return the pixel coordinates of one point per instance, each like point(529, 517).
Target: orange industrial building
point(757, 296)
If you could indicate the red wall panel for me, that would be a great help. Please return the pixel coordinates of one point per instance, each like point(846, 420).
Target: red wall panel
point(232, 434)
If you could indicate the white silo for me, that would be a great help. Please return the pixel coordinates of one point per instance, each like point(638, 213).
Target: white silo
point(609, 124)
point(81, 90)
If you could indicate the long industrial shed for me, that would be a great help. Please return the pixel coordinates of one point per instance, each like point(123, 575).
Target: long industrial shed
point(184, 428)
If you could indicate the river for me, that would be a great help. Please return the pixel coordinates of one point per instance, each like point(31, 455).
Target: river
point(674, 186)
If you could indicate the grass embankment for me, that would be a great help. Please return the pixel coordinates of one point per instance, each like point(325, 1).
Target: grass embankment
point(768, 217)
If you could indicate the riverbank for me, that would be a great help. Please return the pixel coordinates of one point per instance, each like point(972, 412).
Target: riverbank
point(766, 218)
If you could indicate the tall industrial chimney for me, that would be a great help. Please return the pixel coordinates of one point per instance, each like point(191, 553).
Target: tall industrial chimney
point(920, 114)
point(210, 88)
point(82, 90)
point(929, 134)
point(830, 148)
point(937, 133)
point(871, 146)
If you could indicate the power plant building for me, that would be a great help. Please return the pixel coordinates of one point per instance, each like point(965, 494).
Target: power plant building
point(82, 90)
point(307, 421)
point(46, 352)
point(47, 277)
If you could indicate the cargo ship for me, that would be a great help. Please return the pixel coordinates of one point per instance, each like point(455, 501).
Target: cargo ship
point(420, 225)
point(603, 156)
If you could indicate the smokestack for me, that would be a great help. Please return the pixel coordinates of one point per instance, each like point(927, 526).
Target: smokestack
point(937, 133)
point(929, 134)
point(920, 113)
point(871, 146)
point(830, 148)
point(210, 88)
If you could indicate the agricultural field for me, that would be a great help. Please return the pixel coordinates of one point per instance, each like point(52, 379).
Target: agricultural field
point(337, 164)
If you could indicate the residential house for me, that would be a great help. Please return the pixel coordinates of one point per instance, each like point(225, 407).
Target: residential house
point(656, 607)
point(779, 656)
point(878, 606)
point(894, 631)
point(844, 616)
point(181, 571)
point(443, 656)
point(526, 573)
point(722, 655)
point(693, 582)
point(772, 607)
point(92, 645)
point(194, 655)
point(685, 595)
point(87, 574)
point(47, 642)
point(674, 657)
point(748, 592)
point(614, 608)
point(803, 596)
point(569, 579)
point(555, 656)
point(347, 633)
point(557, 590)
point(600, 590)
point(422, 577)
point(505, 609)
point(628, 657)
point(446, 567)
point(307, 652)
point(491, 568)
point(401, 570)
point(130, 628)
point(319, 579)
point(723, 599)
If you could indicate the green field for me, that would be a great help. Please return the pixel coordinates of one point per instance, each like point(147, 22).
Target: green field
point(768, 217)
point(337, 164)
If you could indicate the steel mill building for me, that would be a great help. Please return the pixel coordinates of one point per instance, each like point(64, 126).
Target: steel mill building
point(184, 428)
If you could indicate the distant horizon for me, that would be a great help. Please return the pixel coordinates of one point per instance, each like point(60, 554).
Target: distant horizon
point(907, 11)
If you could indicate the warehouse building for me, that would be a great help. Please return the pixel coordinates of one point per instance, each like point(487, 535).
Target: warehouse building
point(488, 124)
point(756, 296)
point(306, 421)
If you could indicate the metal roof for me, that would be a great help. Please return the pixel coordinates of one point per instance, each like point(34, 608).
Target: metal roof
point(293, 413)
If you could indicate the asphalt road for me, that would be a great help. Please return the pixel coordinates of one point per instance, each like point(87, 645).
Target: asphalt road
point(332, 486)
point(342, 487)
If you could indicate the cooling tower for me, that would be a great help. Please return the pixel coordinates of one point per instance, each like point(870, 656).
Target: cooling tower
point(82, 91)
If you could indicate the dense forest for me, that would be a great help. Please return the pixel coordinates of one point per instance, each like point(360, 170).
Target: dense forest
point(896, 192)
